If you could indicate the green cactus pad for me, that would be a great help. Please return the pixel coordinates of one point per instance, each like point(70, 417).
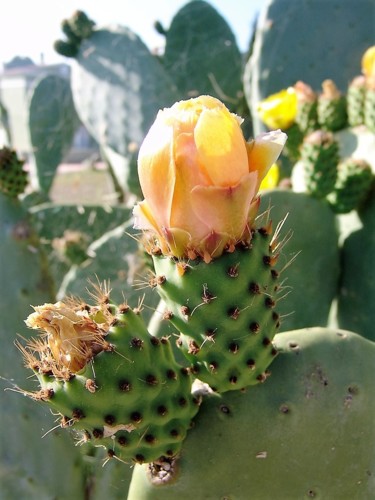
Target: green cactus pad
point(225, 311)
point(13, 179)
point(320, 156)
point(120, 388)
point(202, 56)
point(353, 184)
point(308, 432)
point(307, 116)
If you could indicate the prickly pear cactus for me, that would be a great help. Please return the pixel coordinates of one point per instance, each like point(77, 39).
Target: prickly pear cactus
point(225, 311)
point(202, 56)
point(113, 97)
point(110, 380)
point(25, 472)
point(320, 391)
point(286, 30)
point(52, 123)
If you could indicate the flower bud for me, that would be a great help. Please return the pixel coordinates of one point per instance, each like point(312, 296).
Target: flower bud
point(200, 178)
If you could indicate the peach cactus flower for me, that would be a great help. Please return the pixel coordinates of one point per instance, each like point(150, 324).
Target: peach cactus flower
point(200, 178)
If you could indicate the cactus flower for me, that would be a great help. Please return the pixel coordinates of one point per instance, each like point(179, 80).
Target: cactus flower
point(279, 110)
point(200, 178)
point(368, 62)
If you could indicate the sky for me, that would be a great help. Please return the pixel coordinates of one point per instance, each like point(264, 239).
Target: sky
point(28, 28)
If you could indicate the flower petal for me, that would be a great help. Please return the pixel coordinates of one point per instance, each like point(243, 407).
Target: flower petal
point(279, 110)
point(225, 209)
point(156, 169)
point(221, 147)
point(264, 151)
point(143, 218)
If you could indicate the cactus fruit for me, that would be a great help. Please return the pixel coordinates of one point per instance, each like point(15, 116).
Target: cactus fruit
point(355, 101)
point(13, 178)
point(308, 432)
point(225, 310)
point(320, 156)
point(307, 108)
point(331, 110)
point(369, 105)
point(353, 185)
point(110, 380)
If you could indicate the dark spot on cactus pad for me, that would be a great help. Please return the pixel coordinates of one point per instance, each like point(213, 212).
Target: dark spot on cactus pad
point(174, 433)
point(154, 341)
point(160, 280)
point(264, 231)
point(171, 375)
point(311, 494)
point(210, 333)
point(185, 311)
point(284, 408)
point(111, 453)
point(139, 458)
point(341, 334)
point(179, 342)
point(232, 271)
point(164, 340)
point(150, 439)
point(274, 351)
point(184, 371)
point(109, 419)
point(168, 315)
point(224, 409)
point(266, 341)
point(213, 365)
point(353, 389)
point(125, 385)
point(151, 379)
point(274, 274)
point(275, 316)
point(182, 401)
point(193, 347)
point(233, 379)
point(233, 312)
point(136, 342)
point(269, 302)
point(97, 433)
point(194, 369)
point(77, 414)
point(169, 453)
point(233, 347)
point(294, 345)
point(136, 417)
point(162, 410)
point(251, 364)
point(122, 441)
point(267, 260)
point(254, 327)
point(254, 288)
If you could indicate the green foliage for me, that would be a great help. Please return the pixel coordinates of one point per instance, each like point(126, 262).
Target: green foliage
point(202, 56)
point(52, 123)
point(304, 433)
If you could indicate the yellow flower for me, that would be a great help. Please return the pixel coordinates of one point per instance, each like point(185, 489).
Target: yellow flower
point(271, 179)
point(368, 62)
point(200, 178)
point(279, 110)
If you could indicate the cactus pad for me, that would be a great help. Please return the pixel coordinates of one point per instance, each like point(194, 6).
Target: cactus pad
point(110, 380)
point(225, 311)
